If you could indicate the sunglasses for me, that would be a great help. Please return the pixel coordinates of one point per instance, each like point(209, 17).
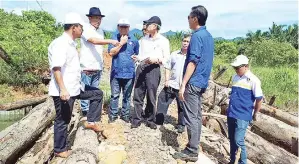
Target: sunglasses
point(238, 67)
point(123, 26)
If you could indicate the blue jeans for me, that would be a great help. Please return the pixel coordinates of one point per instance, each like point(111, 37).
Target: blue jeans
point(92, 80)
point(118, 84)
point(236, 131)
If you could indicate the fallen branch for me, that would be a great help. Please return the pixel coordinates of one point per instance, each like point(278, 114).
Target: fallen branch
point(23, 103)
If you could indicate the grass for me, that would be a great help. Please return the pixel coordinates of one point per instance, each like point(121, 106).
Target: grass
point(5, 94)
point(279, 81)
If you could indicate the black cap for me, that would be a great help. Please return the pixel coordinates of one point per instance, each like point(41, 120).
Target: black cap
point(94, 11)
point(153, 19)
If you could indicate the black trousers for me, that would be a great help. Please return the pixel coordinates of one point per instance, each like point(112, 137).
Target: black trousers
point(166, 97)
point(64, 113)
point(147, 81)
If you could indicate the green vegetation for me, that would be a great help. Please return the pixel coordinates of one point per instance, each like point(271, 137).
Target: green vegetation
point(273, 55)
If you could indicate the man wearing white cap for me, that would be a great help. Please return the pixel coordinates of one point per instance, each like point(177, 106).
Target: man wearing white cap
point(65, 85)
point(122, 71)
point(91, 52)
point(246, 90)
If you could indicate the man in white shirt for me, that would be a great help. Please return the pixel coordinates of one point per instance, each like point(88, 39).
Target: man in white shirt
point(65, 85)
point(91, 52)
point(174, 68)
point(154, 51)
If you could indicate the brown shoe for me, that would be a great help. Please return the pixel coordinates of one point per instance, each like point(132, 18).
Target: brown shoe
point(64, 154)
point(95, 127)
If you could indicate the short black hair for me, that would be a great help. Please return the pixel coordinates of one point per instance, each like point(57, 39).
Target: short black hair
point(186, 36)
point(68, 26)
point(201, 13)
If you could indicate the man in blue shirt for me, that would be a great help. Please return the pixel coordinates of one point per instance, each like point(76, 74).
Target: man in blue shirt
point(197, 71)
point(122, 71)
point(246, 89)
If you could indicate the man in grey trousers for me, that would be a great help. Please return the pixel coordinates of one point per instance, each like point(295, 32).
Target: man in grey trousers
point(197, 71)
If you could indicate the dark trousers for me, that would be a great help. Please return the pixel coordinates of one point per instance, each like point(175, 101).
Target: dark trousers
point(192, 115)
point(64, 113)
point(165, 98)
point(147, 81)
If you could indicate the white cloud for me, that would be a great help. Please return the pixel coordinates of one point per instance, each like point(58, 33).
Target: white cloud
point(227, 19)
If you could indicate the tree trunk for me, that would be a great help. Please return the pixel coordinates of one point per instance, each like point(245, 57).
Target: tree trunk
point(280, 115)
point(4, 56)
point(259, 150)
point(42, 149)
point(274, 131)
point(85, 149)
point(19, 136)
point(23, 103)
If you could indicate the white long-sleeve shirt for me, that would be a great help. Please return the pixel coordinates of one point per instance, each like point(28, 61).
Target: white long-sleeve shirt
point(157, 47)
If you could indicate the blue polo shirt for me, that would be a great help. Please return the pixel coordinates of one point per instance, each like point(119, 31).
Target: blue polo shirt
point(122, 64)
point(245, 90)
point(200, 52)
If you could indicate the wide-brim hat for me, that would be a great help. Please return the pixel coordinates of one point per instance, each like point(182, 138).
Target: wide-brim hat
point(94, 11)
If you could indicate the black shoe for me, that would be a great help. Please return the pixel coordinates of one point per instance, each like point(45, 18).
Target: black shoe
point(84, 113)
point(152, 125)
point(186, 155)
point(112, 119)
point(126, 119)
point(135, 125)
point(181, 128)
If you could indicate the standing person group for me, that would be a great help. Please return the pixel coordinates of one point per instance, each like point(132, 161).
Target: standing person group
point(137, 65)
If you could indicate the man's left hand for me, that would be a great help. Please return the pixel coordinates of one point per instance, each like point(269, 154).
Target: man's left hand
point(181, 93)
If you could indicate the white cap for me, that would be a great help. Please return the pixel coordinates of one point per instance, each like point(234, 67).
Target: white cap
point(73, 18)
point(239, 60)
point(123, 22)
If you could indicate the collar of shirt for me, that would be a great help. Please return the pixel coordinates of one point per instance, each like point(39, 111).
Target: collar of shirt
point(158, 36)
point(200, 28)
point(247, 74)
point(92, 27)
point(69, 39)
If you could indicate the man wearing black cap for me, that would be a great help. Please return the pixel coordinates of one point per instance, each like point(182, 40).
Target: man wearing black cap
point(91, 59)
point(154, 51)
point(197, 70)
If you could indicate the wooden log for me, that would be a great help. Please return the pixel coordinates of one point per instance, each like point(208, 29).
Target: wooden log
point(85, 149)
point(19, 136)
point(259, 150)
point(42, 149)
point(280, 115)
point(23, 103)
point(275, 131)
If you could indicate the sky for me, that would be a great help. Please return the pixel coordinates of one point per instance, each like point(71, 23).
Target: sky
point(227, 18)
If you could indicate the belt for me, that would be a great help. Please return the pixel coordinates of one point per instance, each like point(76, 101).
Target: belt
point(172, 89)
point(88, 72)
